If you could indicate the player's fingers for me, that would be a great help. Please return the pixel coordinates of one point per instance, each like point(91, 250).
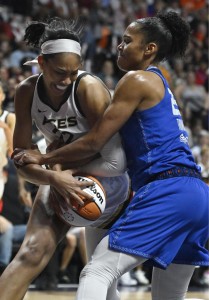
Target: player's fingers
point(77, 199)
point(85, 183)
point(18, 159)
point(85, 195)
point(69, 203)
point(16, 151)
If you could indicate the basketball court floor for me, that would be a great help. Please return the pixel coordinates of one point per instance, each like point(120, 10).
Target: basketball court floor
point(140, 293)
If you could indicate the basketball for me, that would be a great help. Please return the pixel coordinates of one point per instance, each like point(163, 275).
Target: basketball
point(83, 215)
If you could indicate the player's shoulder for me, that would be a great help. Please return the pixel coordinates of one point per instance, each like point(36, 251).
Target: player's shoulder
point(131, 79)
point(92, 80)
point(25, 90)
point(139, 78)
point(138, 75)
point(28, 83)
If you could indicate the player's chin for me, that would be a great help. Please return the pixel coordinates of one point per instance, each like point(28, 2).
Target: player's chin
point(122, 63)
point(58, 90)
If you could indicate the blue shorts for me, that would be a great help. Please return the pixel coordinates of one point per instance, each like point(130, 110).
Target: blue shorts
point(166, 222)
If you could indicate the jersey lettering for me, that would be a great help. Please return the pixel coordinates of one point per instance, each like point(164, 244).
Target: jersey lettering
point(72, 121)
point(45, 120)
point(67, 137)
point(176, 112)
point(61, 123)
point(174, 105)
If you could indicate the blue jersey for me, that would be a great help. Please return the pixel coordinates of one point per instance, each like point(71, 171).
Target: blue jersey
point(158, 140)
point(167, 219)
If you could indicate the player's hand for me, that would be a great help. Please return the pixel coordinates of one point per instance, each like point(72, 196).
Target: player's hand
point(23, 157)
point(69, 187)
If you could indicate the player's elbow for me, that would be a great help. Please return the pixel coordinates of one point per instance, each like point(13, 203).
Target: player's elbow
point(94, 146)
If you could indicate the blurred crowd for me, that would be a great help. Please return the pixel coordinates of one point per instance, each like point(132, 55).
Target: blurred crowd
point(104, 22)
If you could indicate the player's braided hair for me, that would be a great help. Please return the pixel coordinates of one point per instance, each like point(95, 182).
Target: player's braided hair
point(169, 31)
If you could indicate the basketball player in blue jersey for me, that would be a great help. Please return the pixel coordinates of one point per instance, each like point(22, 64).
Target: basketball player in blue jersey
point(64, 102)
point(166, 223)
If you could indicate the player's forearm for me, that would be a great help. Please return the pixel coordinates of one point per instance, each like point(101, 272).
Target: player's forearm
point(36, 174)
point(112, 161)
point(69, 154)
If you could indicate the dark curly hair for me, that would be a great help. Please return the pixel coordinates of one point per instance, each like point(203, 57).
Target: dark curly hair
point(38, 32)
point(169, 31)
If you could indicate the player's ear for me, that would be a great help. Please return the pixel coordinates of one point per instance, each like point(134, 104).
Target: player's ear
point(151, 48)
point(40, 61)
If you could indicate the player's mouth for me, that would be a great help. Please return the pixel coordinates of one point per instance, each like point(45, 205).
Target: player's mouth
point(61, 87)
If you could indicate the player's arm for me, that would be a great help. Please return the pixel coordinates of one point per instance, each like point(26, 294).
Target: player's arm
point(24, 195)
point(94, 98)
point(23, 130)
point(124, 103)
point(64, 182)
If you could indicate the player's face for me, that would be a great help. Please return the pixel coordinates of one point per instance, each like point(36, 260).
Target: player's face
point(60, 71)
point(131, 50)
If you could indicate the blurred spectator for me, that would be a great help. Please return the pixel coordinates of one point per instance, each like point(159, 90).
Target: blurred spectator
point(104, 23)
point(7, 122)
point(204, 162)
point(22, 52)
point(107, 74)
point(4, 75)
point(9, 234)
point(193, 5)
point(13, 215)
point(6, 31)
point(75, 239)
point(201, 73)
point(9, 95)
point(202, 141)
point(61, 8)
point(193, 98)
point(88, 40)
point(6, 49)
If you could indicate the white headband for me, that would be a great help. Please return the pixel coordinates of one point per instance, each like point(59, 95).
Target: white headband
point(60, 45)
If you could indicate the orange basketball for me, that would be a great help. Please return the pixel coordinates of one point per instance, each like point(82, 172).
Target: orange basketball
point(89, 211)
point(83, 215)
